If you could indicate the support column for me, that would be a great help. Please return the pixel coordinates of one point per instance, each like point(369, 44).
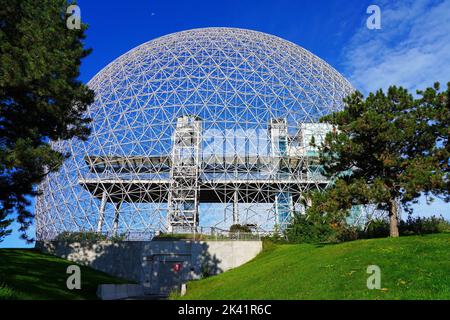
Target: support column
point(235, 207)
point(101, 217)
point(116, 218)
point(283, 209)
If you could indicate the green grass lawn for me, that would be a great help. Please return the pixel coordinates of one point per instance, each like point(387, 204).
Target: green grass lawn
point(28, 274)
point(414, 267)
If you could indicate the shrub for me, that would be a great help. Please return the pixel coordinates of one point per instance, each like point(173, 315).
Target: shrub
point(427, 225)
point(411, 226)
point(80, 236)
point(347, 233)
point(443, 225)
point(304, 230)
point(378, 228)
point(275, 237)
point(235, 228)
point(179, 236)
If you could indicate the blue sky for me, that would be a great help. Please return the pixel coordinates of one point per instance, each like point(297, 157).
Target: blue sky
point(411, 49)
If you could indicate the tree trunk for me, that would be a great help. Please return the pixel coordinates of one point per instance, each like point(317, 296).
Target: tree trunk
point(393, 218)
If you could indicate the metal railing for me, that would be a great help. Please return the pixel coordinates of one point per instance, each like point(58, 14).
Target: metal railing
point(202, 234)
point(214, 234)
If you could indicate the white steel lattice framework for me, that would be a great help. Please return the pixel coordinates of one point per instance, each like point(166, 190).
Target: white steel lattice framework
point(201, 128)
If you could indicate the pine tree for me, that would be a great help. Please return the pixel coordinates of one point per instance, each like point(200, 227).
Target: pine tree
point(40, 99)
point(388, 149)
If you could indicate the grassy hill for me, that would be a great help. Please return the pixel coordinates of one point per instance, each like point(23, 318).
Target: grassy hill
point(414, 267)
point(28, 274)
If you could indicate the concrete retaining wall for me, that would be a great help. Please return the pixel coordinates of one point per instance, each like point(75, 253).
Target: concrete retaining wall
point(160, 266)
point(119, 291)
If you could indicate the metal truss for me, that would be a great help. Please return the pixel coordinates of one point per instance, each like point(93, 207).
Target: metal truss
point(201, 128)
point(184, 175)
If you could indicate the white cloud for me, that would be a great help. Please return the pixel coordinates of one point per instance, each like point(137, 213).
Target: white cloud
point(412, 49)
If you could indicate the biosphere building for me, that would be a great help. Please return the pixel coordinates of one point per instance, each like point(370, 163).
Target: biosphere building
point(195, 131)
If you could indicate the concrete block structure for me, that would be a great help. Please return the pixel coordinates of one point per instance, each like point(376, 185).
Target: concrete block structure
point(157, 266)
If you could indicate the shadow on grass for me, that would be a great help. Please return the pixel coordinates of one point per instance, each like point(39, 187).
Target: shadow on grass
point(30, 274)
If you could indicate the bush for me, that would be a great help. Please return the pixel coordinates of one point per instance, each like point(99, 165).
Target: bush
point(378, 228)
point(179, 236)
point(347, 233)
point(443, 225)
point(420, 225)
point(305, 230)
point(412, 226)
point(275, 237)
point(80, 236)
point(235, 228)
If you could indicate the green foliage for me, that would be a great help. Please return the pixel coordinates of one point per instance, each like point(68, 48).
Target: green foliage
point(378, 228)
point(276, 236)
point(387, 148)
point(306, 230)
point(4, 224)
point(235, 228)
point(268, 244)
point(88, 236)
point(424, 225)
point(118, 237)
point(443, 225)
point(6, 293)
point(203, 237)
point(80, 236)
point(41, 99)
point(180, 236)
point(411, 226)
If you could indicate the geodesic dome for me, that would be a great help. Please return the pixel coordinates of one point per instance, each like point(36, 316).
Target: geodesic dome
point(198, 129)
